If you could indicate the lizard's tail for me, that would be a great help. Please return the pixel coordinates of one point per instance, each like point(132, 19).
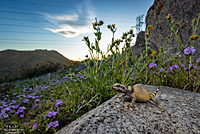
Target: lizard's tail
point(154, 94)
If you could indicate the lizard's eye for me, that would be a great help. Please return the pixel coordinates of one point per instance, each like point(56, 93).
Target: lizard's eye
point(123, 88)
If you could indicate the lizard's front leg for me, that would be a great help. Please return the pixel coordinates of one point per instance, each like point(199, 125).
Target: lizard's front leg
point(122, 96)
point(133, 100)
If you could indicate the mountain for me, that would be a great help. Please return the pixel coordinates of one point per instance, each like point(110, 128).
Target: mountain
point(12, 61)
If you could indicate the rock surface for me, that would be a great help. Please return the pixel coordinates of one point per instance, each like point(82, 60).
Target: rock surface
point(182, 115)
point(139, 44)
point(181, 10)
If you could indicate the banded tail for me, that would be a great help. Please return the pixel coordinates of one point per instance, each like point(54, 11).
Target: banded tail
point(154, 94)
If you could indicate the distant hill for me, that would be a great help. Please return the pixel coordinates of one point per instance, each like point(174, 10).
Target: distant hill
point(12, 60)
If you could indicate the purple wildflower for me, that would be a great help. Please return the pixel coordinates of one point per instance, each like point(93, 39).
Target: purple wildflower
point(81, 76)
point(34, 106)
point(175, 66)
point(192, 49)
point(50, 124)
point(177, 55)
point(171, 68)
point(22, 108)
point(30, 96)
point(198, 60)
point(58, 102)
point(187, 51)
point(53, 124)
point(3, 111)
point(11, 111)
point(182, 65)
point(15, 106)
point(7, 108)
point(66, 77)
point(45, 116)
point(37, 100)
point(191, 65)
point(195, 67)
point(162, 69)
point(34, 126)
point(19, 111)
point(50, 114)
point(151, 65)
point(26, 101)
point(14, 101)
point(21, 116)
point(132, 78)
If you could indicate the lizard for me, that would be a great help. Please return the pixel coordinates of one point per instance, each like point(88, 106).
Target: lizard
point(136, 93)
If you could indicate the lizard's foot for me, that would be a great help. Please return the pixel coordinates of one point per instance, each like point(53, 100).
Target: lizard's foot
point(131, 105)
point(161, 107)
point(121, 96)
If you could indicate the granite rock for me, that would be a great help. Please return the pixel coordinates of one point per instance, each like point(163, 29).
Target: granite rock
point(182, 115)
point(183, 11)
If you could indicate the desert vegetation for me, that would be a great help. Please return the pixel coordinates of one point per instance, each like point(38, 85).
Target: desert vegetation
point(47, 103)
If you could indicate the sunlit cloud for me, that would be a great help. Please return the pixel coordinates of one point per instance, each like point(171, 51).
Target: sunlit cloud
point(74, 24)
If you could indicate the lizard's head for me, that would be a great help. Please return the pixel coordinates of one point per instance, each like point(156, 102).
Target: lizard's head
point(119, 87)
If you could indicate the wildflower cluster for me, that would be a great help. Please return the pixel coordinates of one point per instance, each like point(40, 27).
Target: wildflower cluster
point(194, 37)
point(53, 124)
point(189, 50)
point(150, 27)
point(112, 28)
point(169, 17)
point(151, 65)
point(31, 102)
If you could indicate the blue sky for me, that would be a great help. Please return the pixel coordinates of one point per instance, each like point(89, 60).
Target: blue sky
point(61, 24)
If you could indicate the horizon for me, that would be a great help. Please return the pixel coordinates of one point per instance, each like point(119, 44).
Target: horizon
point(61, 25)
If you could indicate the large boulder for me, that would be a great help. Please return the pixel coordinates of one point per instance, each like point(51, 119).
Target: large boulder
point(181, 10)
point(181, 115)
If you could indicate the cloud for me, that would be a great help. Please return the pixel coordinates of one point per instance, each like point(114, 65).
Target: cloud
point(75, 24)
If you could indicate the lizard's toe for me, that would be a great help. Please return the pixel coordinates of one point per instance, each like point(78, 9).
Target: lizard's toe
point(131, 105)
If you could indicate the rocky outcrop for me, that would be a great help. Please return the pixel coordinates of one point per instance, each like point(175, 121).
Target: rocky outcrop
point(181, 10)
point(182, 115)
point(139, 44)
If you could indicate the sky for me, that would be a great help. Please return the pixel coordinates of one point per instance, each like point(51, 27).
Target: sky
point(61, 24)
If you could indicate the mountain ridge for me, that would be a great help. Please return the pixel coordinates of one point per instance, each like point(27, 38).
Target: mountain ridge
point(11, 61)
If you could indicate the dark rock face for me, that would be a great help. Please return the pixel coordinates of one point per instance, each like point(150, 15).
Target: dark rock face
point(181, 10)
point(139, 44)
point(181, 115)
